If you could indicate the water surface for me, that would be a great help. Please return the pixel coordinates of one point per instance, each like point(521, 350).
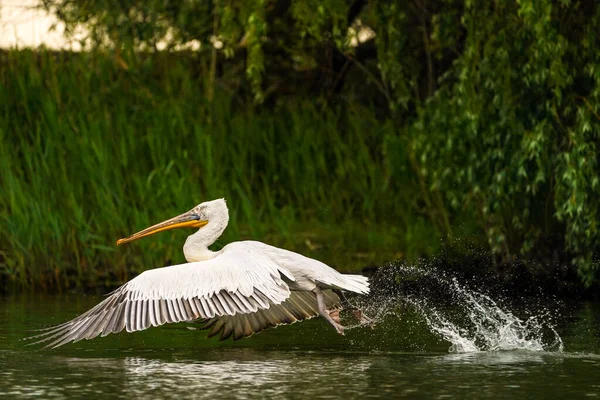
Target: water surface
point(401, 357)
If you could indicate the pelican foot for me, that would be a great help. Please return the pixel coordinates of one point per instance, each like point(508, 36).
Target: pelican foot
point(335, 315)
point(362, 318)
point(335, 321)
point(339, 329)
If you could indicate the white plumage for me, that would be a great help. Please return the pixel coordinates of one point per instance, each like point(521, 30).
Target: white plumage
point(240, 290)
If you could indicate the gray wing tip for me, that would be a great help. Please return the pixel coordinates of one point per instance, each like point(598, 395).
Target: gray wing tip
point(299, 306)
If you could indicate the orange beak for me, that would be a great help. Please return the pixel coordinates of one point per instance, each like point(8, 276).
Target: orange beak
point(186, 220)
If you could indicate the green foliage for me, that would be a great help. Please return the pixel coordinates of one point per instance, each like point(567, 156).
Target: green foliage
point(512, 132)
point(462, 113)
point(91, 152)
point(258, 31)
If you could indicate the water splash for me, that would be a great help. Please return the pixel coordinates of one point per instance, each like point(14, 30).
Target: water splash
point(472, 321)
point(485, 326)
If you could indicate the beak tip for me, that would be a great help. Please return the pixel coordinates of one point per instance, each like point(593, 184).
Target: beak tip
point(120, 241)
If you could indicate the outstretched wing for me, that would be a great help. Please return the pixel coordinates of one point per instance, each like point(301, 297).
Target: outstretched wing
point(238, 281)
point(298, 307)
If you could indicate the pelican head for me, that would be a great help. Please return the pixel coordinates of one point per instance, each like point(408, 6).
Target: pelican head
point(212, 214)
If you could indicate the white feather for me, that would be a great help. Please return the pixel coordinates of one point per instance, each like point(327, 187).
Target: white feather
point(242, 278)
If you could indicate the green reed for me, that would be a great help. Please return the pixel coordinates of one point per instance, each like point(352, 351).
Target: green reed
point(91, 152)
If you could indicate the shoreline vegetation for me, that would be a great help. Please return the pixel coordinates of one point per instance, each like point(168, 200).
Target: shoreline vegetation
point(478, 136)
point(91, 153)
point(89, 156)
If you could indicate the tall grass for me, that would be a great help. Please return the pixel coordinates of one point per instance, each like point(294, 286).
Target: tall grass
point(91, 152)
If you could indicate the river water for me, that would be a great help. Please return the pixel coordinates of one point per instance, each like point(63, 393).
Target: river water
point(415, 350)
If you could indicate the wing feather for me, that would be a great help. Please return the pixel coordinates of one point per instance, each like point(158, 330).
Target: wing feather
point(238, 280)
point(221, 299)
point(234, 305)
point(217, 305)
point(144, 320)
point(164, 312)
point(319, 272)
point(298, 307)
point(212, 310)
point(129, 310)
point(89, 328)
point(136, 317)
point(254, 323)
point(151, 313)
point(116, 320)
point(193, 308)
point(248, 307)
point(177, 313)
point(140, 315)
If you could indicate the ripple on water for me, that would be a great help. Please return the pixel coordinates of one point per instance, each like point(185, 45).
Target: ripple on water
point(273, 364)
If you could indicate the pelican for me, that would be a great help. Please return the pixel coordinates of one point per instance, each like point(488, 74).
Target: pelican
point(240, 290)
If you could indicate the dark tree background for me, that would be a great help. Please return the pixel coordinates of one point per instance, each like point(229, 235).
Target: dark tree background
point(492, 106)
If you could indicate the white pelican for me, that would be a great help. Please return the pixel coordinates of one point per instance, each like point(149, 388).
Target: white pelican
point(240, 290)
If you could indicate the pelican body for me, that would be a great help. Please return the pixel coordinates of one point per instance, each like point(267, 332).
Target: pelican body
point(239, 290)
